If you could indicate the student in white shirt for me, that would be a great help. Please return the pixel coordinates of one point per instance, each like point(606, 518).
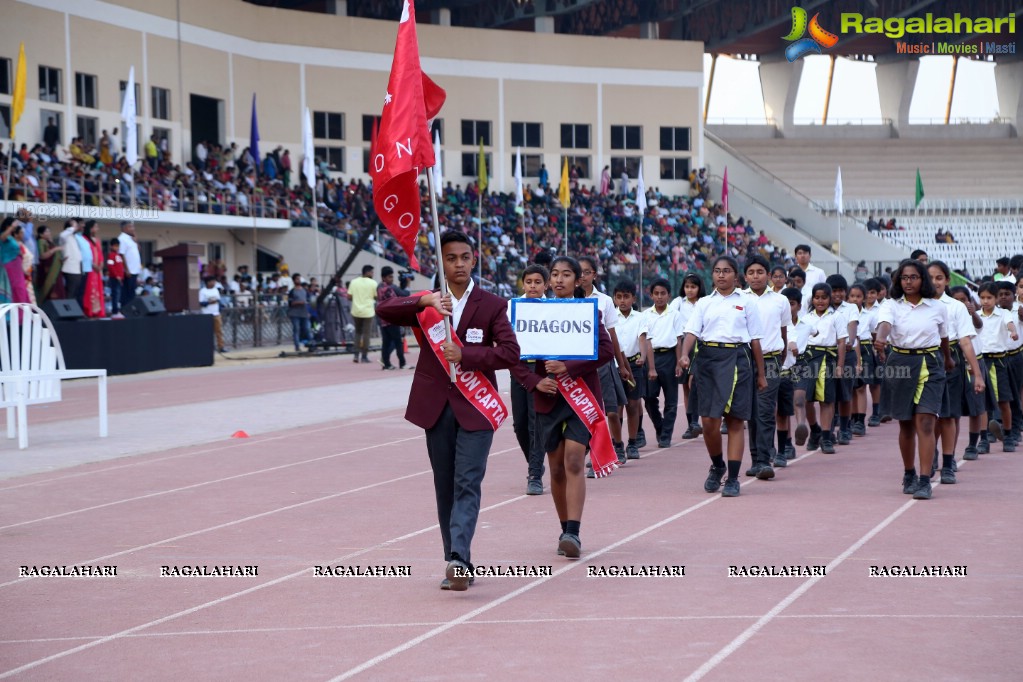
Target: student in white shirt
point(818, 369)
point(964, 377)
point(691, 291)
point(662, 334)
point(866, 330)
point(534, 282)
point(857, 296)
point(630, 328)
point(917, 326)
point(812, 274)
point(776, 319)
point(1013, 359)
point(728, 327)
point(976, 405)
point(995, 337)
point(847, 371)
point(788, 405)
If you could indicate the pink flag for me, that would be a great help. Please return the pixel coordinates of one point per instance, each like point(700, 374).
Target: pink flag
point(724, 190)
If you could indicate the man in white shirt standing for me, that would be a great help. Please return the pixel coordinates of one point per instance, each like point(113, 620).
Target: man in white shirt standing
point(72, 266)
point(814, 275)
point(132, 260)
point(209, 302)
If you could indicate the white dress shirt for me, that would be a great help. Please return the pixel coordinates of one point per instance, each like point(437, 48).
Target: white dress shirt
point(821, 330)
point(628, 328)
point(774, 310)
point(684, 308)
point(1014, 316)
point(800, 335)
point(458, 304)
point(608, 309)
point(868, 322)
point(993, 337)
point(923, 325)
point(814, 275)
point(726, 319)
point(663, 329)
point(130, 253)
point(960, 326)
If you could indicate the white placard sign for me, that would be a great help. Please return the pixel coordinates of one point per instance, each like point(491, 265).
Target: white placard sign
point(556, 329)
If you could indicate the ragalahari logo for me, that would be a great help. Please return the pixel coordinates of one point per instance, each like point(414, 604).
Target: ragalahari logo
point(803, 46)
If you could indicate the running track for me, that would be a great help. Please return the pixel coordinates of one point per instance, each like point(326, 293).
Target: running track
point(333, 475)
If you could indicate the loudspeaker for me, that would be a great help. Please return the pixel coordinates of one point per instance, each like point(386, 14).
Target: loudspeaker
point(63, 309)
point(140, 306)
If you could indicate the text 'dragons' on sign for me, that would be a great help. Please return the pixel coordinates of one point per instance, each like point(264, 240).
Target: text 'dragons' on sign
point(556, 329)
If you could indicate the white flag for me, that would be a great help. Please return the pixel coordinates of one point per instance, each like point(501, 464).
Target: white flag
point(128, 114)
point(838, 192)
point(438, 168)
point(519, 199)
point(640, 193)
point(308, 153)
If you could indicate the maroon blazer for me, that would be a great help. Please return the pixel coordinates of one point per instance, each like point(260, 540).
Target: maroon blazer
point(586, 370)
point(431, 387)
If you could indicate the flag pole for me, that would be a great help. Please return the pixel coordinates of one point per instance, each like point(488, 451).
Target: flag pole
point(566, 230)
point(522, 226)
point(479, 212)
point(441, 279)
point(7, 179)
point(640, 260)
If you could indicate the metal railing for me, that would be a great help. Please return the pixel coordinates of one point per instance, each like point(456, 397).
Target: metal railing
point(251, 321)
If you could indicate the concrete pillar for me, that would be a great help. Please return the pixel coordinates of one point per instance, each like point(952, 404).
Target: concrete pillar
point(337, 7)
point(649, 30)
point(780, 82)
point(441, 17)
point(544, 25)
point(1009, 83)
point(896, 81)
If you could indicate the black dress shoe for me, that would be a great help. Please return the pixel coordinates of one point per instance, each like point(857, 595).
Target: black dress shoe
point(690, 433)
point(459, 573)
point(446, 584)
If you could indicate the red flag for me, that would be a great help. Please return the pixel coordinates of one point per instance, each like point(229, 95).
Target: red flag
point(724, 191)
point(403, 146)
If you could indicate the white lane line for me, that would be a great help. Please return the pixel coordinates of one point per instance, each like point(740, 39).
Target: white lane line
point(255, 588)
point(753, 629)
point(226, 446)
point(204, 483)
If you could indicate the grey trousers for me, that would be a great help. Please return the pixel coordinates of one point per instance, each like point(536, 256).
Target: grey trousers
point(459, 461)
point(764, 424)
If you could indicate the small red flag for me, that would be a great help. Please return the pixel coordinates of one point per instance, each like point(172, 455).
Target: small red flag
point(403, 147)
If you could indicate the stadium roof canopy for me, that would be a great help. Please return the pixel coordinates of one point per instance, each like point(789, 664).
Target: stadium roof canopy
point(726, 26)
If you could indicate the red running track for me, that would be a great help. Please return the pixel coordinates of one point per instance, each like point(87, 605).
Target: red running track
point(358, 492)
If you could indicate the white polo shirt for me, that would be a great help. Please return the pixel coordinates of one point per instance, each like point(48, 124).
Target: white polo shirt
point(774, 309)
point(726, 319)
point(628, 329)
point(993, 337)
point(868, 323)
point(814, 275)
point(823, 330)
point(923, 325)
point(663, 329)
point(1014, 316)
point(848, 313)
point(684, 307)
point(800, 335)
point(960, 326)
point(608, 309)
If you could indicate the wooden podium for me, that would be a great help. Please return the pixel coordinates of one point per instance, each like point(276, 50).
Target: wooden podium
point(181, 276)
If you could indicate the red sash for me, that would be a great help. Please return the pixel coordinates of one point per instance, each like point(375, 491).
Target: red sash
point(589, 410)
point(473, 385)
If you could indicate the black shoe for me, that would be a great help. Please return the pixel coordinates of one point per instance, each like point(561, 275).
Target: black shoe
point(631, 451)
point(534, 486)
point(790, 451)
point(731, 488)
point(844, 437)
point(814, 443)
point(909, 483)
point(766, 472)
point(713, 482)
point(620, 451)
point(780, 461)
point(923, 489)
point(886, 418)
point(801, 433)
point(827, 445)
point(874, 420)
point(589, 472)
point(446, 584)
point(955, 467)
point(724, 428)
point(664, 443)
point(640, 439)
point(995, 429)
point(698, 430)
point(1008, 446)
point(569, 546)
point(755, 469)
point(858, 429)
point(970, 454)
point(459, 574)
point(983, 447)
point(948, 477)
point(365, 360)
point(389, 368)
point(690, 433)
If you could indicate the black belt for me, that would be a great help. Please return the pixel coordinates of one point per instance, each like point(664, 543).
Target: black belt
point(830, 350)
point(664, 350)
point(995, 355)
point(772, 354)
point(915, 351)
point(715, 344)
point(636, 357)
point(953, 342)
point(1015, 352)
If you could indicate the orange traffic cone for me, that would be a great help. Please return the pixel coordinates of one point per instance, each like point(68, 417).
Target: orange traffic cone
point(239, 434)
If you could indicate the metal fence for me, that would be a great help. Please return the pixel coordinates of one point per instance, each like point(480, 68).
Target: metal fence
point(262, 322)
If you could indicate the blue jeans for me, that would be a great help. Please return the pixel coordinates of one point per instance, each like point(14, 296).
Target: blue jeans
point(300, 330)
point(115, 295)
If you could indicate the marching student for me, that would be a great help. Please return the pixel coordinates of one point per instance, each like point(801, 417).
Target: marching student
point(846, 372)
point(812, 274)
point(631, 324)
point(917, 326)
point(963, 380)
point(779, 279)
point(776, 318)
point(562, 433)
point(818, 373)
point(857, 296)
point(728, 327)
point(866, 330)
point(459, 429)
point(534, 284)
point(611, 375)
point(791, 399)
point(691, 291)
point(996, 334)
point(976, 405)
point(662, 334)
point(1014, 355)
point(797, 278)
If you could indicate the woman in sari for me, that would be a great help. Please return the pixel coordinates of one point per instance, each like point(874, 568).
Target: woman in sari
point(92, 300)
point(49, 283)
point(12, 280)
point(27, 267)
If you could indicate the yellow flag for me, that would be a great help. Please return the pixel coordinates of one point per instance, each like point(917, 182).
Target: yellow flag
point(564, 194)
point(481, 169)
point(18, 103)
